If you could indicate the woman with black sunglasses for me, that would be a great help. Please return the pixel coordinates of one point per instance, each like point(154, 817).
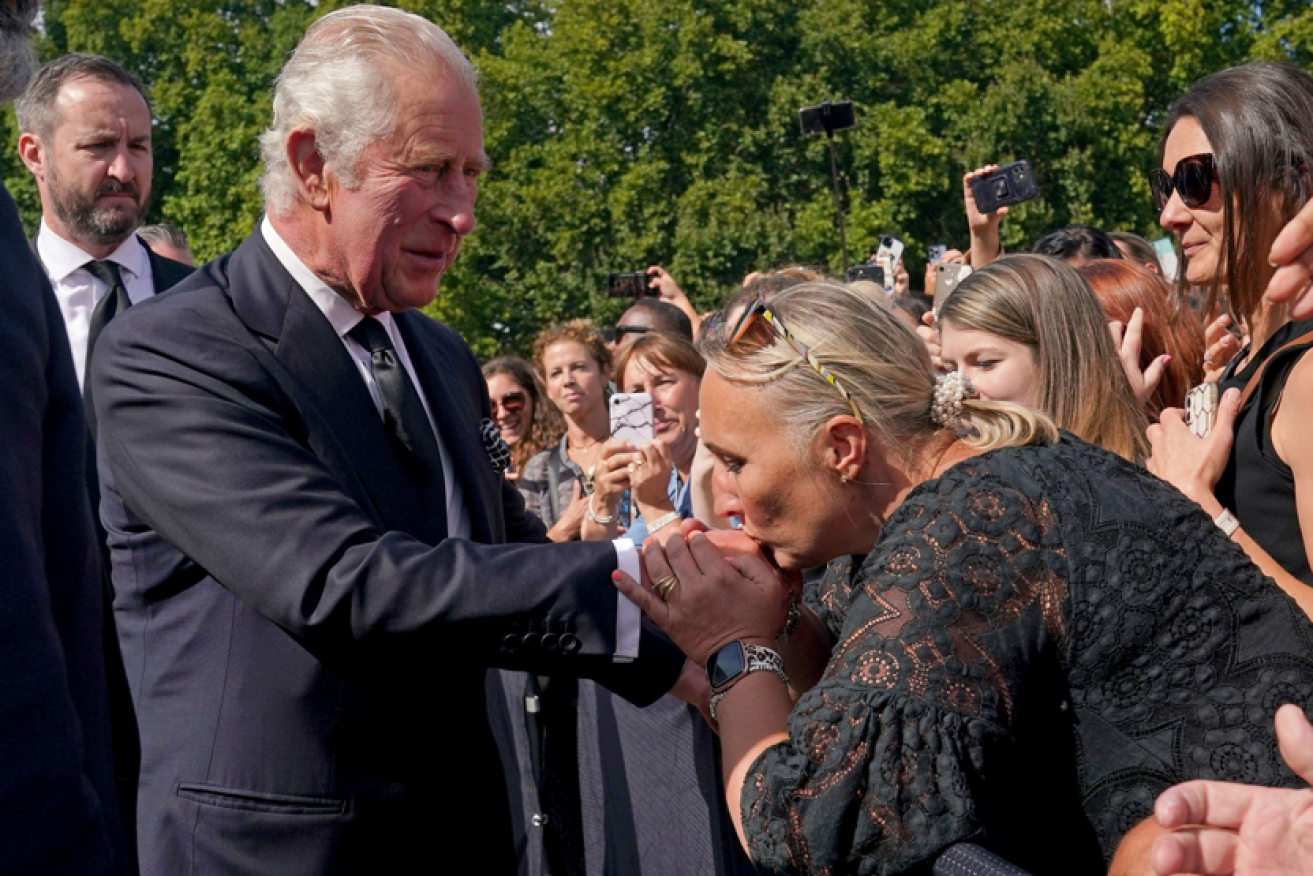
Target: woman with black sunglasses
point(1035, 636)
point(1237, 165)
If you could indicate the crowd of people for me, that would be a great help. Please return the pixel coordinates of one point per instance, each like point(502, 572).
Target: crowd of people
point(298, 586)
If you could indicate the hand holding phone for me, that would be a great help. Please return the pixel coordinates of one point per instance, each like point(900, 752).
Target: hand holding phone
point(1201, 408)
point(1009, 184)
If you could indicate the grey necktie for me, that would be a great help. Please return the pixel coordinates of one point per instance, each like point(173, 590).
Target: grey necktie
point(404, 417)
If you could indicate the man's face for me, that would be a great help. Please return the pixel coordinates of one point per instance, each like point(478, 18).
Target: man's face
point(394, 235)
point(94, 173)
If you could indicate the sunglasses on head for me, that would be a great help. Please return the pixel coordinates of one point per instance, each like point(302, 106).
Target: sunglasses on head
point(1192, 180)
point(758, 310)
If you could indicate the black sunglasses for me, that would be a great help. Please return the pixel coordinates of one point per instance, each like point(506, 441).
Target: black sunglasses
point(1192, 180)
point(622, 330)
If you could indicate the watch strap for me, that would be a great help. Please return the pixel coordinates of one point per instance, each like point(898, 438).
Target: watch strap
point(759, 659)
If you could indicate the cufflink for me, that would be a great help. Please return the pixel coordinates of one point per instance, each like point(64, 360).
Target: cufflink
point(499, 453)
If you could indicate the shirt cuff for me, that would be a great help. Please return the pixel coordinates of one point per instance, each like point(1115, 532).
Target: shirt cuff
point(628, 616)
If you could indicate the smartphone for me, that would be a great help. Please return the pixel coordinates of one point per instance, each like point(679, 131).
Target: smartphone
point(936, 253)
point(631, 284)
point(871, 273)
point(827, 117)
point(947, 278)
point(1010, 184)
point(1201, 408)
point(888, 256)
point(631, 418)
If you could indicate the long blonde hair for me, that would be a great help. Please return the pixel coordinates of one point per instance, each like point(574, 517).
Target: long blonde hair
point(880, 362)
point(1046, 305)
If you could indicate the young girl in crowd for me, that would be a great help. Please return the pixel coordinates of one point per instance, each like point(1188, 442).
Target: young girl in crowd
point(528, 423)
point(1027, 329)
point(1237, 165)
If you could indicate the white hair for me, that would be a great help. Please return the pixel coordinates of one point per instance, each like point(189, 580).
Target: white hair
point(341, 81)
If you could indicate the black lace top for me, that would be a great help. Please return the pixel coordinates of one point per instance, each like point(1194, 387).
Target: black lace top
point(1042, 640)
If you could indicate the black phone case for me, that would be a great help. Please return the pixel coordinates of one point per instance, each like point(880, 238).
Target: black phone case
point(1010, 184)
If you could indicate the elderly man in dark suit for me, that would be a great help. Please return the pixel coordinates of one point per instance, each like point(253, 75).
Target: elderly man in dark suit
point(307, 523)
point(58, 812)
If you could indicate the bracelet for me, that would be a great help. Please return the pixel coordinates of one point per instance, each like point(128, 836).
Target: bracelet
point(755, 666)
point(795, 614)
point(662, 522)
point(595, 518)
point(1227, 522)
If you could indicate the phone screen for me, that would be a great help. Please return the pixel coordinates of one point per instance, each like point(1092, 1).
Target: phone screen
point(631, 418)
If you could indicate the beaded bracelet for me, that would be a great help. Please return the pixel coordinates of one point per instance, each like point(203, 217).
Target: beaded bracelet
point(662, 522)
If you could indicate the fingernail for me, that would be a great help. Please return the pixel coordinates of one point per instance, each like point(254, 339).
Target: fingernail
point(615, 576)
point(1167, 360)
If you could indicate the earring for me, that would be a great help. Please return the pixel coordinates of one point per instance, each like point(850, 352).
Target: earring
point(843, 478)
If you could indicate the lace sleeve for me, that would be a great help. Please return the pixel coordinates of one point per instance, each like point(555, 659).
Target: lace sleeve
point(954, 615)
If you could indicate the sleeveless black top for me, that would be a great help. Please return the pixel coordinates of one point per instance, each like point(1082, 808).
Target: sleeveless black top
point(1257, 485)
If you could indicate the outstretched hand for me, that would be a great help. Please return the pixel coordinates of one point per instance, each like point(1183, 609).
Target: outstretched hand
point(1221, 828)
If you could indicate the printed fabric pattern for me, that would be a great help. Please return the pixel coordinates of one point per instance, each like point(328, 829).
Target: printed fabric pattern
point(1042, 640)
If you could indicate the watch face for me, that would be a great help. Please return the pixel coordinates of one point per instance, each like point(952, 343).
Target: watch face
point(726, 665)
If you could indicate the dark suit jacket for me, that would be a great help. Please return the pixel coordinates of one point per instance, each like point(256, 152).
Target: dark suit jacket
point(305, 646)
point(58, 812)
point(165, 274)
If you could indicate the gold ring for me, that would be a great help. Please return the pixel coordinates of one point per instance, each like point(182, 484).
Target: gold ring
point(638, 462)
point(663, 587)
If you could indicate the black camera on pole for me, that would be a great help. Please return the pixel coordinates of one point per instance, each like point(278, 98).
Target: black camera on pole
point(826, 118)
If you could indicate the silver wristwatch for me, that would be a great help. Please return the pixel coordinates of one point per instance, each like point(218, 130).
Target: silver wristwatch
point(737, 660)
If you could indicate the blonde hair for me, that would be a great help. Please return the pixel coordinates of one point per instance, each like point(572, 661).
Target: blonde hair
point(1046, 305)
point(877, 358)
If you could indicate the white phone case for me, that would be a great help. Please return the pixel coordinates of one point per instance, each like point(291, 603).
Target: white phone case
point(631, 418)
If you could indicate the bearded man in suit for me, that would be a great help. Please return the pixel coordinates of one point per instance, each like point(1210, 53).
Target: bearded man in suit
point(313, 546)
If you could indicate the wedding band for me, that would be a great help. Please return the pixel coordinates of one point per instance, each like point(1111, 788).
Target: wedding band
point(637, 463)
point(663, 587)
point(1208, 360)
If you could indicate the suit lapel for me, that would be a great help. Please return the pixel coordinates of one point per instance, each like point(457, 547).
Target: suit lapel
point(272, 304)
point(456, 414)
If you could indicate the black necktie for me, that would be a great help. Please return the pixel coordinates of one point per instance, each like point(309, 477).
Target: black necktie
point(403, 412)
point(111, 304)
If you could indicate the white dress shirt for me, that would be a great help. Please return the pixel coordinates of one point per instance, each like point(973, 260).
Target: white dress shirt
point(78, 292)
point(344, 317)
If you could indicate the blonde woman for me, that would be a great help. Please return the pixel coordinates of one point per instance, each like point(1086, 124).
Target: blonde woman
point(1036, 638)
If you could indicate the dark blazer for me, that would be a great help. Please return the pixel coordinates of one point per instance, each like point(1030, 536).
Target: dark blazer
point(165, 274)
point(58, 812)
point(305, 646)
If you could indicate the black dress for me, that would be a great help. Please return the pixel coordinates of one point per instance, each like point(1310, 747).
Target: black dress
point(1257, 484)
point(1041, 641)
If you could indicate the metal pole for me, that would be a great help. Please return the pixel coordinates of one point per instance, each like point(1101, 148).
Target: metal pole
point(838, 205)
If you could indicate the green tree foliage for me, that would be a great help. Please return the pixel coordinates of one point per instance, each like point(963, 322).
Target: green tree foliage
point(627, 133)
